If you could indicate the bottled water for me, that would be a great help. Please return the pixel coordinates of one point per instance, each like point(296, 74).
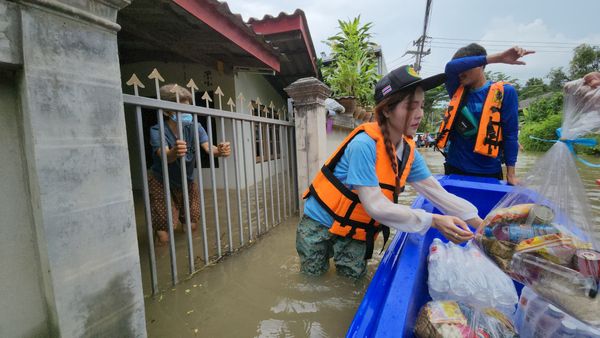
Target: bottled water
point(458, 289)
point(535, 308)
point(567, 329)
point(526, 296)
point(548, 322)
point(437, 280)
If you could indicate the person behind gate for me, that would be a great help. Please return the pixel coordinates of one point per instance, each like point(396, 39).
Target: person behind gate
point(481, 122)
point(354, 196)
point(177, 147)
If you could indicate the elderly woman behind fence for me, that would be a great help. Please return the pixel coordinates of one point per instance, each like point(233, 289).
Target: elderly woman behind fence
point(176, 147)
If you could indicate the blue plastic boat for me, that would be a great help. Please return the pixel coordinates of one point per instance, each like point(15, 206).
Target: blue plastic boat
point(398, 289)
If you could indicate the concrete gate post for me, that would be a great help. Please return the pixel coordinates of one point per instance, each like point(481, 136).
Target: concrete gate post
point(77, 166)
point(309, 95)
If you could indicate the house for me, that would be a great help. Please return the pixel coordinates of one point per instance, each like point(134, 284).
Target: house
point(69, 222)
point(247, 64)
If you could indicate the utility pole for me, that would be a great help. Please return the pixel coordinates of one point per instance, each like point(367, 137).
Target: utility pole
point(420, 42)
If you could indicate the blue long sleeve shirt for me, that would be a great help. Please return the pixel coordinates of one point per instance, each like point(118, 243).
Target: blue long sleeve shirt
point(460, 151)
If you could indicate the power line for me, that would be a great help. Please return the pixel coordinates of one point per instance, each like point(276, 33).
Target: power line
point(401, 61)
point(510, 41)
point(499, 50)
point(500, 45)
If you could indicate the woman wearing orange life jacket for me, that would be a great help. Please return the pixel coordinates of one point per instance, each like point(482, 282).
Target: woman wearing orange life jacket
point(356, 191)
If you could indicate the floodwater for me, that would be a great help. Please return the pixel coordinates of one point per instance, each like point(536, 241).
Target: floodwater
point(258, 292)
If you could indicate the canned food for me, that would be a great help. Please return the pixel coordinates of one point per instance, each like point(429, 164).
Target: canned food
point(540, 214)
point(588, 263)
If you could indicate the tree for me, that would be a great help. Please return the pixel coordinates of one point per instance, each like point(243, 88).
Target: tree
point(533, 87)
point(557, 78)
point(499, 76)
point(436, 100)
point(586, 59)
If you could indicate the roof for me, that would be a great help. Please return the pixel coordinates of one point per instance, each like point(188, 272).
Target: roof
point(207, 32)
point(204, 31)
point(527, 102)
point(290, 36)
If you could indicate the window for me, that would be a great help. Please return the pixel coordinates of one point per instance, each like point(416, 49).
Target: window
point(263, 111)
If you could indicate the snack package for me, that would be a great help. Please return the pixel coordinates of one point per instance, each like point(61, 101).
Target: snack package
point(541, 234)
point(450, 319)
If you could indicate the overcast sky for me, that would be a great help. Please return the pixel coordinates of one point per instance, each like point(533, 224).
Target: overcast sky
point(551, 27)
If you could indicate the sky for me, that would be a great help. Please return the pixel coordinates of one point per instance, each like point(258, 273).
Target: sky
point(552, 28)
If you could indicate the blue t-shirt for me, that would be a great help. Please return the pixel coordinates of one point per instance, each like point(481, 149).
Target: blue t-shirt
point(190, 157)
point(357, 168)
point(460, 150)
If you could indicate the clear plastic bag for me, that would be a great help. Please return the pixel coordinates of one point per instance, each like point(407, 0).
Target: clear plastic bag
point(450, 319)
point(463, 274)
point(536, 317)
point(541, 233)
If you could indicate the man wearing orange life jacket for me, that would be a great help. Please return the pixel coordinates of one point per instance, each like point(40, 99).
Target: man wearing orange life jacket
point(354, 196)
point(480, 126)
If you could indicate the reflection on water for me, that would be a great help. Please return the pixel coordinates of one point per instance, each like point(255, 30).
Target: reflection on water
point(259, 292)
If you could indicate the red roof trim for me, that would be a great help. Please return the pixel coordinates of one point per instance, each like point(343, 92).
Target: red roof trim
point(207, 12)
point(286, 23)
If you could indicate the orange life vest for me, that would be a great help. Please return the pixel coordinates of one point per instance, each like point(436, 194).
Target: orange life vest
point(489, 133)
point(349, 216)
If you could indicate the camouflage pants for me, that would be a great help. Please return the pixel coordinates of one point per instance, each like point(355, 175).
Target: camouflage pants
point(316, 245)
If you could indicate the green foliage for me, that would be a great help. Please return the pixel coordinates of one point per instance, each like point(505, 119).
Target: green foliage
point(557, 78)
point(585, 59)
point(499, 76)
point(435, 103)
point(542, 118)
point(595, 150)
point(543, 108)
point(533, 87)
point(354, 69)
point(545, 129)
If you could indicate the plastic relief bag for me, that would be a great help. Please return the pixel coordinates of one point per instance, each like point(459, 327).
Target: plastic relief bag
point(483, 286)
point(450, 319)
point(541, 233)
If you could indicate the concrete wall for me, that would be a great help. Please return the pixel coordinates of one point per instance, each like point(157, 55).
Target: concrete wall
point(335, 138)
point(10, 40)
point(20, 276)
point(76, 270)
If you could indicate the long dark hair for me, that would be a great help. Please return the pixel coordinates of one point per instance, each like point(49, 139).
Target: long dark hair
point(388, 105)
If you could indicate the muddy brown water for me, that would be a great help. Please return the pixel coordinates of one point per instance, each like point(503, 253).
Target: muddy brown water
point(258, 291)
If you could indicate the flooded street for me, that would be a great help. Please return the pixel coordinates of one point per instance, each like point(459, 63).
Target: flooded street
point(258, 292)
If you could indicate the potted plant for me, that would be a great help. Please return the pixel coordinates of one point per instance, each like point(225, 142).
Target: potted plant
point(353, 72)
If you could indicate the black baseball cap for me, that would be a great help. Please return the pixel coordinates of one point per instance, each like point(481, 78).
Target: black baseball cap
point(402, 78)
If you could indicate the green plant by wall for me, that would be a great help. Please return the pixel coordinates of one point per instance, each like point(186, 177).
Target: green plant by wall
point(354, 69)
point(541, 109)
point(540, 120)
point(545, 129)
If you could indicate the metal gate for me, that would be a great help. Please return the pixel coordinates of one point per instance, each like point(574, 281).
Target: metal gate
point(264, 189)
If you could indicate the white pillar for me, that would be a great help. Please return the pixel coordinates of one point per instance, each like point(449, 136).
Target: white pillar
point(309, 95)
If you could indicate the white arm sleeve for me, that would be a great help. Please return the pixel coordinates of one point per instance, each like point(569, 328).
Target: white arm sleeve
point(396, 216)
point(448, 203)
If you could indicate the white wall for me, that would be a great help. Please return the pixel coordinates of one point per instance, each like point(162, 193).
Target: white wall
point(252, 86)
point(23, 311)
point(335, 138)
